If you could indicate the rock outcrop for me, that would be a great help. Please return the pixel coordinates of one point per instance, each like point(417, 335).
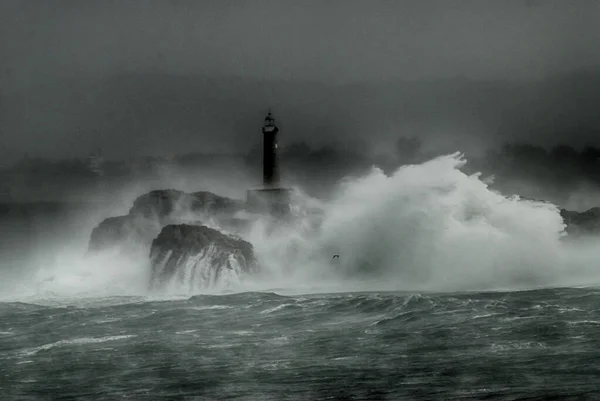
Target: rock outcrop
point(123, 232)
point(199, 257)
point(156, 209)
point(162, 204)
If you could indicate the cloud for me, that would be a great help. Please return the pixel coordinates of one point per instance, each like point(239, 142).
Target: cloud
point(311, 40)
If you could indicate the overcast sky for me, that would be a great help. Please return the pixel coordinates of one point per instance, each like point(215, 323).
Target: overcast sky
point(318, 40)
point(337, 41)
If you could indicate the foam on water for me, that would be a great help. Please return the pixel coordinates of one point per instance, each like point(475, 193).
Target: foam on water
point(75, 341)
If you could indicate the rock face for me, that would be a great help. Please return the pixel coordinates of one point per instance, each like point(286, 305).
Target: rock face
point(112, 232)
point(156, 209)
point(582, 223)
point(199, 257)
point(123, 232)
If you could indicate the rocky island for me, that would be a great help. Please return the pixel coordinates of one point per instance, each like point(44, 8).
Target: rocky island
point(199, 239)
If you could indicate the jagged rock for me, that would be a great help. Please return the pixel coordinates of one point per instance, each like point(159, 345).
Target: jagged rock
point(207, 202)
point(156, 209)
point(123, 231)
point(157, 204)
point(164, 203)
point(582, 223)
point(199, 257)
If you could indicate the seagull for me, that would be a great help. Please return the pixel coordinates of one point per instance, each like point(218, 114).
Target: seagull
point(336, 256)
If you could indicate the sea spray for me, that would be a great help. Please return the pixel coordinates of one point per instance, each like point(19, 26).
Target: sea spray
point(433, 225)
point(201, 273)
point(426, 227)
point(73, 273)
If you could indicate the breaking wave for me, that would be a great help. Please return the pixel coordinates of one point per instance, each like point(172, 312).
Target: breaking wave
point(430, 227)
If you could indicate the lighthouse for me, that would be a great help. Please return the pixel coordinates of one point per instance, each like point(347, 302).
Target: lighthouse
point(271, 198)
point(270, 162)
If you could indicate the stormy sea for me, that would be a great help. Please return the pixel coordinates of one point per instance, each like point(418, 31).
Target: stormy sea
point(443, 289)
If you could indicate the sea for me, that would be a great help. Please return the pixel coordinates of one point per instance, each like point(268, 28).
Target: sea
point(443, 290)
point(540, 344)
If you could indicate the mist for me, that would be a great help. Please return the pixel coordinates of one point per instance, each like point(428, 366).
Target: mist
point(131, 115)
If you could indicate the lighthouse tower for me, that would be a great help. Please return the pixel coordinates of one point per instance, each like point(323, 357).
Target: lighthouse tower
point(270, 162)
point(272, 198)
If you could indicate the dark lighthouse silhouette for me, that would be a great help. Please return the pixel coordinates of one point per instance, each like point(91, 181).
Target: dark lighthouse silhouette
point(272, 198)
point(270, 162)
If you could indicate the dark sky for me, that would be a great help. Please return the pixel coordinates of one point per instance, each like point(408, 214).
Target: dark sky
point(48, 43)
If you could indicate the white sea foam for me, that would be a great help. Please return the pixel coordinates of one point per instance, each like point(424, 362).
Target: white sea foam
point(74, 341)
point(429, 227)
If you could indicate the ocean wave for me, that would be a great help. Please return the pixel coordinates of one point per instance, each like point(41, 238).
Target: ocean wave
point(71, 342)
point(237, 297)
